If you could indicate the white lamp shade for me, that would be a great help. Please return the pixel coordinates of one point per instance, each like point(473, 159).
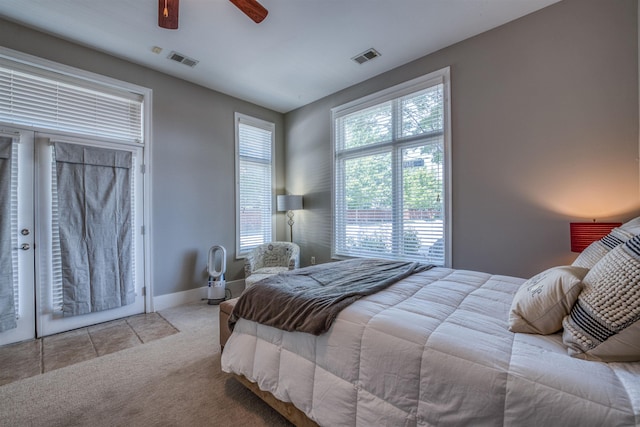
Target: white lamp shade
point(289, 202)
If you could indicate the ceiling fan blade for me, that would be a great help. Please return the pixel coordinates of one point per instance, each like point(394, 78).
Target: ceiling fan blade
point(252, 9)
point(168, 14)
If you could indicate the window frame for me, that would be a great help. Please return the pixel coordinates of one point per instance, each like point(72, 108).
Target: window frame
point(240, 118)
point(394, 146)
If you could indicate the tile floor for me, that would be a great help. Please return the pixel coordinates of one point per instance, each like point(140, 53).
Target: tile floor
point(29, 358)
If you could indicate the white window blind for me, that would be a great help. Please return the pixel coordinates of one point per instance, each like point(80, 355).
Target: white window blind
point(254, 169)
point(390, 189)
point(36, 98)
point(56, 253)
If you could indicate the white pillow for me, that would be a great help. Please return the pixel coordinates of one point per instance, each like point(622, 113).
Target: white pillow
point(544, 300)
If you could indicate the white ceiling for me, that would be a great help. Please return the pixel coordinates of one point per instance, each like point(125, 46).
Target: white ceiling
point(300, 53)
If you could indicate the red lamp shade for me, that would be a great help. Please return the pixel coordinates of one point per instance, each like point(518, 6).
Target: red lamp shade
point(585, 233)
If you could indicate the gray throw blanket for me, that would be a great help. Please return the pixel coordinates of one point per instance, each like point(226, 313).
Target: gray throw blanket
point(309, 299)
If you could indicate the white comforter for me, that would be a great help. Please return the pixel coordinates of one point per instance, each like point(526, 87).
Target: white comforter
point(434, 350)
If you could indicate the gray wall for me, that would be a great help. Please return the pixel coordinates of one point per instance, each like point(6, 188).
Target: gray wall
point(544, 132)
point(192, 166)
point(544, 127)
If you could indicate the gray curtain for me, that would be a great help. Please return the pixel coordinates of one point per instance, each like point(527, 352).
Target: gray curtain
point(94, 202)
point(7, 306)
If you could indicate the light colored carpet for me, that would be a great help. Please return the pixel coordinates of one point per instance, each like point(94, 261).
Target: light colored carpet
point(172, 381)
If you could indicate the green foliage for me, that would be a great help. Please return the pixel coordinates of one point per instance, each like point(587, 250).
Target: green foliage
point(380, 242)
point(422, 112)
point(368, 182)
point(422, 185)
point(369, 126)
point(410, 241)
point(375, 242)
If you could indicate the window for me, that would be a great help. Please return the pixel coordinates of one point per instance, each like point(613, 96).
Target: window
point(391, 164)
point(254, 182)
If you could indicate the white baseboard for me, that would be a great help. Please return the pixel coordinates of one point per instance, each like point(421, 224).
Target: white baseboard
point(162, 302)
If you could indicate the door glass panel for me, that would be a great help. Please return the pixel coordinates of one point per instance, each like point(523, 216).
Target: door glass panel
point(17, 215)
point(8, 291)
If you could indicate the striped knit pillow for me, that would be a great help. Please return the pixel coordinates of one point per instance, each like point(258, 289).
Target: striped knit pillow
point(604, 324)
point(595, 251)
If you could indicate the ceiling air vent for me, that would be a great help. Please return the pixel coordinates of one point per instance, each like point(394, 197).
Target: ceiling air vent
point(178, 57)
point(365, 56)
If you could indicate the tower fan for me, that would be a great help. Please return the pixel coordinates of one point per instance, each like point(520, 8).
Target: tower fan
point(216, 267)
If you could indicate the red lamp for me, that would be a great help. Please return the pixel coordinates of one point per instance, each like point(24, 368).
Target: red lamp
point(585, 233)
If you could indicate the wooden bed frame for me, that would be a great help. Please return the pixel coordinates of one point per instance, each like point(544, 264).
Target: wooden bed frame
point(286, 409)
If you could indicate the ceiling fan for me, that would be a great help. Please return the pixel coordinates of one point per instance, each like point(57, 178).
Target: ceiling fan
point(168, 12)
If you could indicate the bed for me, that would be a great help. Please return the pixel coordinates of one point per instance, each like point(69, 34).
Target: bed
point(435, 349)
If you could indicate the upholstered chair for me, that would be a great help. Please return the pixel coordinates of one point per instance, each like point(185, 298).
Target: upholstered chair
point(269, 259)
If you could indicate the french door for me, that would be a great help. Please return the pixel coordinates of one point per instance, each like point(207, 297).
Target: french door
point(40, 288)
